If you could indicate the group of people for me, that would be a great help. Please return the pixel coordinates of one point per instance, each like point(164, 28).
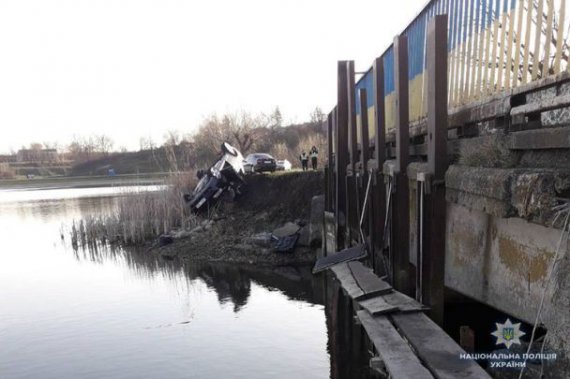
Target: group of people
point(304, 158)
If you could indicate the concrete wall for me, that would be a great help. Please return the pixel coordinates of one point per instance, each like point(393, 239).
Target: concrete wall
point(503, 262)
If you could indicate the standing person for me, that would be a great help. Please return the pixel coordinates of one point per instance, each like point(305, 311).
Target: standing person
point(314, 157)
point(304, 158)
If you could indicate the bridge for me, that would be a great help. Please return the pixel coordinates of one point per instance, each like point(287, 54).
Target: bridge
point(449, 160)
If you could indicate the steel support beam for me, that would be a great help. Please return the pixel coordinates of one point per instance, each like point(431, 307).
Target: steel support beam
point(364, 128)
point(351, 182)
point(379, 189)
point(433, 261)
point(341, 151)
point(401, 272)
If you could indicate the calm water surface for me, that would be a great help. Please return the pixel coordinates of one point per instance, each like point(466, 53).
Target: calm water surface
point(116, 314)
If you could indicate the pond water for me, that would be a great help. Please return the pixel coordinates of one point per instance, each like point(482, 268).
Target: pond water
point(68, 313)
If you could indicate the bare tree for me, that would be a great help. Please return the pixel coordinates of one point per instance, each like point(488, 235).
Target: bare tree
point(172, 138)
point(317, 116)
point(147, 143)
point(104, 144)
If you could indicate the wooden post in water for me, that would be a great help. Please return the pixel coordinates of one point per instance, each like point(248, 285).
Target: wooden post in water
point(433, 261)
point(401, 211)
point(341, 156)
point(379, 189)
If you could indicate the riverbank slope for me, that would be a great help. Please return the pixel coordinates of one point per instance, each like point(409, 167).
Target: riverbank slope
point(233, 232)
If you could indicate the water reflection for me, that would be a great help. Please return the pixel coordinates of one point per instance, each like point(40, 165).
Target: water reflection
point(101, 312)
point(231, 282)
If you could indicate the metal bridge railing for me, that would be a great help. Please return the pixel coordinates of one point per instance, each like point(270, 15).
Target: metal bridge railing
point(493, 46)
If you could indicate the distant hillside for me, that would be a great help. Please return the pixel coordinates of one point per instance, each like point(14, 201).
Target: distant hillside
point(145, 161)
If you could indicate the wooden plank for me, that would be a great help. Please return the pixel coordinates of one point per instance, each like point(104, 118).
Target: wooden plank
point(545, 69)
point(377, 306)
point(502, 52)
point(485, 61)
point(403, 302)
point(347, 282)
point(560, 36)
point(465, 51)
point(518, 44)
point(458, 54)
point(538, 34)
point(450, 57)
point(439, 352)
point(478, 78)
point(495, 43)
point(509, 47)
point(368, 281)
point(475, 38)
point(334, 258)
point(526, 55)
point(399, 359)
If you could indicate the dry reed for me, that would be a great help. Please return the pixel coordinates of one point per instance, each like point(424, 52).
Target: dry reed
point(140, 215)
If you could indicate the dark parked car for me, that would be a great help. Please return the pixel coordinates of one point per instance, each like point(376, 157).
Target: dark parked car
point(225, 175)
point(260, 162)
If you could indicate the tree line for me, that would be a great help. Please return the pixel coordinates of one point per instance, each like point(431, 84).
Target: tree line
point(249, 132)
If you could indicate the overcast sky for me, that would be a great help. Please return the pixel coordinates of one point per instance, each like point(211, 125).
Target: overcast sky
point(138, 68)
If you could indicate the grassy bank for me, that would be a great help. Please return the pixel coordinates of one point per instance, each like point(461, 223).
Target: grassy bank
point(227, 233)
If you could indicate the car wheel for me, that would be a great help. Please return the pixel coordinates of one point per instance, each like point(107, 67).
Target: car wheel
point(229, 149)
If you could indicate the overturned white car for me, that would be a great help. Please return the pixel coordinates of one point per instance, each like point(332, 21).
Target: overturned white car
point(225, 175)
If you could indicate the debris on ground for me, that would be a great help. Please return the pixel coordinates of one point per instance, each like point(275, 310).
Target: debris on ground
point(257, 229)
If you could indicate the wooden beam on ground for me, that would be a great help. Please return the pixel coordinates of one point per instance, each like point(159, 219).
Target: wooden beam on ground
point(437, 350)
point(401, 215)
point(341, 152)
point(433, 256)
point(377, 306)
point(347, 281)
point(397, 356)
point(403, 302)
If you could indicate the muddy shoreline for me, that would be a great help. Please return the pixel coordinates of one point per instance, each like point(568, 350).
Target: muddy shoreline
point(231, 233)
